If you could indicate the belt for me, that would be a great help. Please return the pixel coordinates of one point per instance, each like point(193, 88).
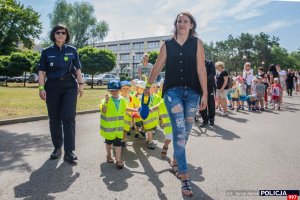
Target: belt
point(61, 78)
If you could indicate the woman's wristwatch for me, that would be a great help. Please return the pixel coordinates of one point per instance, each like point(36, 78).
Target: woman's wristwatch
point(148, 85)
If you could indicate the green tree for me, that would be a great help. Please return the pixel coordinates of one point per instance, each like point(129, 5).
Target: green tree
point(19, 64)
point(153, 55)
point(34, 58)
point(79, 18)
point(96, 61)
point(18, 24)
point(4, 67)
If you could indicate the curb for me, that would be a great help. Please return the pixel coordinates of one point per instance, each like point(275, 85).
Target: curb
point(37, 118)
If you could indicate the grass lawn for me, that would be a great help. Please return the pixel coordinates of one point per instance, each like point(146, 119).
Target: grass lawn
point(17, 101)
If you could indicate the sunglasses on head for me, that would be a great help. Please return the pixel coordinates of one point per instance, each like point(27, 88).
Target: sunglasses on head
point(60, 33)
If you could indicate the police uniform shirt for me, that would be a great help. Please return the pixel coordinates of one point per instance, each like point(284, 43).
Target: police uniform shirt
point(55, 61)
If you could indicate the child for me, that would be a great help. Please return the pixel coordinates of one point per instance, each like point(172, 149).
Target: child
point(260, 93)
point(242, 87)
point(140, 87)
point(132, 102)
point(166, 124)
point(235, 95)
point(112, 110)
point(151, 122)
point(275, 92)
point(253, 96)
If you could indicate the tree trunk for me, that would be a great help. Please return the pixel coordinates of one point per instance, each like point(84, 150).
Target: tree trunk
point(24, 80)
point(92, 86)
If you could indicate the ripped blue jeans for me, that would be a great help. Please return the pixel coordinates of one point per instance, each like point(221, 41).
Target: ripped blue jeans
point(182, 104)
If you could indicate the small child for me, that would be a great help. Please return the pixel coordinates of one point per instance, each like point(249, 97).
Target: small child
point(132, 102)
point(235, 95)
point(152, 121)
point(112, 110)
point(275, 92)
point(139, 129)
point(260, 89)
point(242, 87)
point(253, 96)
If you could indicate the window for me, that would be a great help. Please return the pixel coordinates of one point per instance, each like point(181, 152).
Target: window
point(124, 56)
point(101, 47)
point(139, 45)
point(125, 47)
point(153, 44)
point(139, 56)
point(112, 47)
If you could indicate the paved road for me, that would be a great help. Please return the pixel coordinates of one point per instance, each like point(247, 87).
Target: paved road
point(245, 151)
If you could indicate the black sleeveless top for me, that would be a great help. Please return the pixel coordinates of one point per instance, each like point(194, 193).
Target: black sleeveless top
point(181, 65)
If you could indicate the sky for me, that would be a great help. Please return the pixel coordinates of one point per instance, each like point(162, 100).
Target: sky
point(216, 19)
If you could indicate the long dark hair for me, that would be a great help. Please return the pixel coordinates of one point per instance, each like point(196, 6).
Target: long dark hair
point(192, 32)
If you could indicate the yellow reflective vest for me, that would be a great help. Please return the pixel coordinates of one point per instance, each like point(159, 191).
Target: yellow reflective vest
point(164, 116)
point(133, 102)
point(152, 120)
point(112, 122)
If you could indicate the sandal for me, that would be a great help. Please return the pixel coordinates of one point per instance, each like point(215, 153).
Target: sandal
point(186, 186)
point(174, 170)
point(109, 159)
point(164, 152)
point(120, 164)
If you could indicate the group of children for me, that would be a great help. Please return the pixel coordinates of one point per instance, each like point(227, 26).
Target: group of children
point(119, 117)
point(257, 96)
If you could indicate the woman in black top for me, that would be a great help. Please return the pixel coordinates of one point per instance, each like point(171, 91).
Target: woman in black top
point(61, 65)
point(185, 82)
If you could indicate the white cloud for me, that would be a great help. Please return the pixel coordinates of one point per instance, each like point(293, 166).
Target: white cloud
point(273, 26)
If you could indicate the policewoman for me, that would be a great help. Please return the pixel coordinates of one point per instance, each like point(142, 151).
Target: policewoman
point(61, 68)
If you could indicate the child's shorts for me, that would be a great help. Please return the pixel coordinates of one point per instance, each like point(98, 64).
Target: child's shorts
point(116, 142)
point(235, 99)
point(275, 97)
point(151, 129)
point(229, 97)
point(242, 98)
point(139, 124)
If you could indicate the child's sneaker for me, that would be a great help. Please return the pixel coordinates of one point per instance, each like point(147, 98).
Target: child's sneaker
point(151, 145)
point(128, 133)
point(243, 108)
point(225, 113)
point(143, 134)
point(262, 109)
point(124, 144)
point(253, 109)
point(136, 136)
point(249, 109)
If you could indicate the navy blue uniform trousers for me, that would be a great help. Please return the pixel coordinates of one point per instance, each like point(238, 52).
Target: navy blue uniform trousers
point(61, 99)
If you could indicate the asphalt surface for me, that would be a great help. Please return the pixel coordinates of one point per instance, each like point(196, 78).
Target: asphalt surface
point(244, 151)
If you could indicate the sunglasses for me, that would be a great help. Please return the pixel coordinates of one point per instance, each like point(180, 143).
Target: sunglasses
point(60, 33)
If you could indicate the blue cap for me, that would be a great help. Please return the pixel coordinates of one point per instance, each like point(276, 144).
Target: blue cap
point(114, 85)
point(125, 83)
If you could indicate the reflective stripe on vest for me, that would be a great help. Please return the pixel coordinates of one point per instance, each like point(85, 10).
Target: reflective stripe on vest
point(110, 119)
point(164, 116)
point(111, 129)
point(168, 124)
point(148, 121)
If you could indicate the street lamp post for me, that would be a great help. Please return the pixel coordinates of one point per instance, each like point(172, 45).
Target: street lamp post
point(133, 56)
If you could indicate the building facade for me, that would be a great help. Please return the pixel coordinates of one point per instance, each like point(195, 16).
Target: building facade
point(130, 52)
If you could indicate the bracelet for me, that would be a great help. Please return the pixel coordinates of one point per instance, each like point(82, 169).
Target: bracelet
point(41, 87)
point(148, 85)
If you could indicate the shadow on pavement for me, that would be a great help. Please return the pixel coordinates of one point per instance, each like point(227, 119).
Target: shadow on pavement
point(13, 149)
point(221, 132)
point(47, 179)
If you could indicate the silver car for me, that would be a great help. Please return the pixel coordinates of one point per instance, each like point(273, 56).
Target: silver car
point(102, 79)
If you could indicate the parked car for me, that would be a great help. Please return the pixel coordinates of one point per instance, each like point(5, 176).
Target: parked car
point(12, 79)
point(20, 79)
point(2, 78)
point(33, 78)
point(102, 79)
